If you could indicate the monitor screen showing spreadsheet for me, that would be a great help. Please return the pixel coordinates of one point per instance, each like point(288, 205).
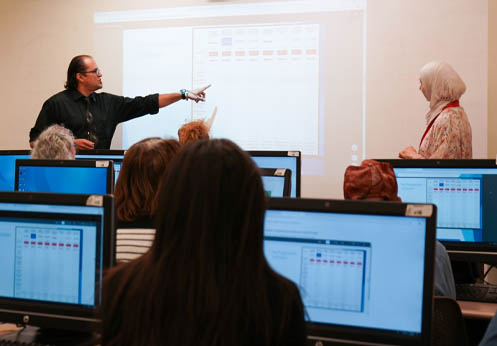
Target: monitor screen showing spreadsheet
point(344, 264)
point(281, 159)
point(70, 176)
point(465, 192)
point(53, 253)
point(8, 167)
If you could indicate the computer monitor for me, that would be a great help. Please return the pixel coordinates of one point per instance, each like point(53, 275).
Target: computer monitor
point(281, 159)
point(465, 192)
point(276, 181)
point(116, 156)
point(53, 249)
point(8, 167)
point(364, 269)
point(65, 176)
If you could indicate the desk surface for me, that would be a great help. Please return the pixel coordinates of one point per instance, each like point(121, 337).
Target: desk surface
point(477, 310)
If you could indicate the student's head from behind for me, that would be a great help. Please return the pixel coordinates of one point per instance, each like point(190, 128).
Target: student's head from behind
point(143, 166)
point(206, 269)
point(193, 131)
point(54, 143)
point(212, 203)
point(372, 180)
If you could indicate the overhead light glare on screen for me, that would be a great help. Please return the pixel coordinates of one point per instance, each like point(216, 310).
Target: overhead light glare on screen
point(206, 11)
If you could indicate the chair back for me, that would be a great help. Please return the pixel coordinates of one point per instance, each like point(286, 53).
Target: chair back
point(448, 327)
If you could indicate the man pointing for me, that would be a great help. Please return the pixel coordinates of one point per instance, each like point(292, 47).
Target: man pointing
point(93, 117)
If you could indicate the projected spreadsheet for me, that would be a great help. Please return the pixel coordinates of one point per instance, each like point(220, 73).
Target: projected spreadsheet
point(47, 264)
point(286, 56)
point(458, 202)
point(333, 278)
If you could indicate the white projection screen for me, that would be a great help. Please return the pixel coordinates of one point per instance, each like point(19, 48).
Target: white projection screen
point(285, 75)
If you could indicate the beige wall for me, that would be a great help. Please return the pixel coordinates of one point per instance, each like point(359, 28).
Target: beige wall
point(492, 79)
point(38, 38)
point(402, 37)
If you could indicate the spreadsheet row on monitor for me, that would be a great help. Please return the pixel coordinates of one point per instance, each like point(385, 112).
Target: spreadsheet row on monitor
point(465, 198)
point(50, 253)
point(343, 265)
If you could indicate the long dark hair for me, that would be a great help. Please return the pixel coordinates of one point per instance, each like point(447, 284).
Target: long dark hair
point(205, 280)
point(77, 65)
point(137, 186)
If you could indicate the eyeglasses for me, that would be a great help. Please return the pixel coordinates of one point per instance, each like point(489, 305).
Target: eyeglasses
point(96, 71)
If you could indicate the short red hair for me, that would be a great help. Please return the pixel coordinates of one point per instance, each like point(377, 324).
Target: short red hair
point(370, 180)
point(193, 131)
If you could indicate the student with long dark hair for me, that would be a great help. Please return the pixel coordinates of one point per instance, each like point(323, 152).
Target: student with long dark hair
point(205, 280)
point(135, 194)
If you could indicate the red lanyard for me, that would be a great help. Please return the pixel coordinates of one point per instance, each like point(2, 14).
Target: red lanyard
point(449, 105)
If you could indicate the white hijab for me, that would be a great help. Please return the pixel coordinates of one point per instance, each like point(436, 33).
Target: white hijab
point(442, 85)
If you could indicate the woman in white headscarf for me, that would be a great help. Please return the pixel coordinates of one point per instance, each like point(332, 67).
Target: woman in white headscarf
point(448, 132)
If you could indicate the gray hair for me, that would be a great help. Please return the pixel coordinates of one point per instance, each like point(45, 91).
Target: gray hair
point(54, 143)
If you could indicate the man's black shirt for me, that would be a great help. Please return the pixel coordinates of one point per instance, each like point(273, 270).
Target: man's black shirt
point(68, 108)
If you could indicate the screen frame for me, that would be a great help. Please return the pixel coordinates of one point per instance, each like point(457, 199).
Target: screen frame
point(68, 163)
point(101, 152)
point(15, 152)
point(23, 152)
point(464, 251)
point(106, 154)
point(276, 172)
point(335, 333)
point(279, 153)
point(60, 315)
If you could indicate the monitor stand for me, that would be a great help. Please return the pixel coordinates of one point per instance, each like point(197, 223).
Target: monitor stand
point(55, 337)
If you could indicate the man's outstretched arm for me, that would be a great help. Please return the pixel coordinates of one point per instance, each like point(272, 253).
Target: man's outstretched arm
point(194, 95)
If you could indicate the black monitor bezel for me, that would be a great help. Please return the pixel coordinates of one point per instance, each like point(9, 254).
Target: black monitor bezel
point(104, 154)
point(280, 153)
point(59, 315)
point(15, 152)
point(440, 163)
point(101, 152)
point(276, 172)
point(484, 252)
point(68, 163)
point(334, 333)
